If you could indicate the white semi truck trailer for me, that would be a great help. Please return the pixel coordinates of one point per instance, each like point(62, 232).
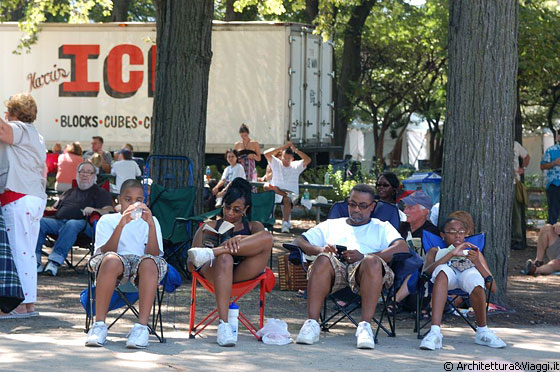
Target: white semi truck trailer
point(99, 79)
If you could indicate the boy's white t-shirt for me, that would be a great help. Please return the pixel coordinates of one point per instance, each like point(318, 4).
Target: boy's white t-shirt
point(124, 170)
point(372, 237)
point(134, 236)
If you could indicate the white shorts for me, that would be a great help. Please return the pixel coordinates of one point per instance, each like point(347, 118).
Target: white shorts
point(293, 197)
point(466, 280)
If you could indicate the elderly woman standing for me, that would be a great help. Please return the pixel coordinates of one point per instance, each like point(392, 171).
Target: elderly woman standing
point(22, 192)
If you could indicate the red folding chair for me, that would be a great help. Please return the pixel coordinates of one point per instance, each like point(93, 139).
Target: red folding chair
point(266, 281)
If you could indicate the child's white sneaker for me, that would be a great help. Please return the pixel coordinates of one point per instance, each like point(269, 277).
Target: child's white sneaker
point(488, 338)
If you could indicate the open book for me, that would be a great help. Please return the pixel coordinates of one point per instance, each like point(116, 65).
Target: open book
point(212, 238)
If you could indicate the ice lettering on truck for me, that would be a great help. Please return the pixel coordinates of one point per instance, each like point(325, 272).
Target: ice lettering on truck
point(115, 86)
point(78, 86)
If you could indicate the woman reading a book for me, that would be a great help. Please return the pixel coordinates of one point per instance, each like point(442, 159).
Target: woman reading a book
point(234, 250)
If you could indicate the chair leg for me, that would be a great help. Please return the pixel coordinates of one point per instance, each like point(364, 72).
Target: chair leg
point(262, 304)
point(192, 313)
point(89, 313)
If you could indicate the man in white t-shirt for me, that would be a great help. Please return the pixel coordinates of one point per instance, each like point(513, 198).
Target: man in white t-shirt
point(128, 247)
point(370, 245)
point(125, 169)
point(285, 177)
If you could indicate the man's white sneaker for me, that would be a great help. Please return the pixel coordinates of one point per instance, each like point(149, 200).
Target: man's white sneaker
point(138, 337)
point(97, 335)
point(285, 227)
point(51, 268)
point(309, 332)
point(431, 341)
point(364, 336)
point(225, 334)
point(199, 256)
point(488, 338)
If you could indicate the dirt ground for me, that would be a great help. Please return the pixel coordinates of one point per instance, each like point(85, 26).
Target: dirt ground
point(530, 299)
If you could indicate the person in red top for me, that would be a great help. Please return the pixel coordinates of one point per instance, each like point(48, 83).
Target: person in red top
point(22, 192)
point(68, 166)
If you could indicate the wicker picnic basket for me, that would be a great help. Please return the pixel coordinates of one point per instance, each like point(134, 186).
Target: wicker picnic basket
point(291, 277)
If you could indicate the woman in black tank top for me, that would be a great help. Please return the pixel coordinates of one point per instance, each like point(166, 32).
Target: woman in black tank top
point(250, 245)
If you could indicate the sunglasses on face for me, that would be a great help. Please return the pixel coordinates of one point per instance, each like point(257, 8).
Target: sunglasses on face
point(235, 210)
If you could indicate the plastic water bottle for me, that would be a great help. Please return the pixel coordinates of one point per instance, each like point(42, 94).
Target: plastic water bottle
point(306, 194)
point(327, 178)
point(136, 214)
point(233, 314)
point(208, 173)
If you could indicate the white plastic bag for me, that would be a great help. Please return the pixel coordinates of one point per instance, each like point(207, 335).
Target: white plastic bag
point(275, 332)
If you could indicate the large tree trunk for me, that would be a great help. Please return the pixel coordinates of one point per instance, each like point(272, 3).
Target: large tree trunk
point(184, 31)
point(349, 69)
point(120, 10)
point(481, 104)
point(311, 10)
point(249, 13)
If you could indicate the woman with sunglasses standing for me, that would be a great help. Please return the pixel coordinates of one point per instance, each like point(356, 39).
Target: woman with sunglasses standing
point(242, 257)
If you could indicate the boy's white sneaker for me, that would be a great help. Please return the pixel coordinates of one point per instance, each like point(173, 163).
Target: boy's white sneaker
point(488, 338)
point(364, 336)
point(199, 256)
point(309, 332)
point(138, 337)
point(97, 335)
point(225, 334)
point(432, 341)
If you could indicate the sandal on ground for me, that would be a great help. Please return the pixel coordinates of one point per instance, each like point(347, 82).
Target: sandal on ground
point(14, 315)
point(530, 268)
point(393, 309)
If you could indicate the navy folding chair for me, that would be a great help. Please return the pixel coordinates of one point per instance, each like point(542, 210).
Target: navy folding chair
point(429, 241)
point(351, 301)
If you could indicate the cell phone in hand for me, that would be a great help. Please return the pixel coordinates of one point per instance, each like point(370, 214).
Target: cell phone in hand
point(339, 250)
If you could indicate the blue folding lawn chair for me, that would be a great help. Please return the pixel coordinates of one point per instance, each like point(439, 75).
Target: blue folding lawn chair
point(429, 241)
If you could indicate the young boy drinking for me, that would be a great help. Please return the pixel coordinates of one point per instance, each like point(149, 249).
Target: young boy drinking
point(460, 265)
point(128, 247)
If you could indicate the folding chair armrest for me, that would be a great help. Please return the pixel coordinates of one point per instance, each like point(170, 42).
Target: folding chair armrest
point(399, 257)
point(424, 277)
point(199, 218)
point(296, 255)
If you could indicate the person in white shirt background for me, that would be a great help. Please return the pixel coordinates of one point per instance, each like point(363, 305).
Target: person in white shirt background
point(124, 169)
point(285, 177)
point(232, 171)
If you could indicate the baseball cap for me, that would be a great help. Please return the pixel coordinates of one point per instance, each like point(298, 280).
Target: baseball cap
point(418, 197)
